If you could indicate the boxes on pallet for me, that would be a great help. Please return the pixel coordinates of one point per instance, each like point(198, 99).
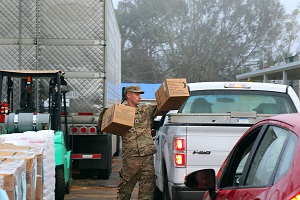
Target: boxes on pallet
point(13, 178)
point(31, 168)
point(38, 151)
point(43, 139)
point(39, 187)
point(39, 177)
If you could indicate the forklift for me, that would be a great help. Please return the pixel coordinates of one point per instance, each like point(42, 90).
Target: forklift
point(35, 100)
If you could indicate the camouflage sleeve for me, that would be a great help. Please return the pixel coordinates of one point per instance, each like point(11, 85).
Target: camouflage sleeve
point(100, 117)
point(153, 112)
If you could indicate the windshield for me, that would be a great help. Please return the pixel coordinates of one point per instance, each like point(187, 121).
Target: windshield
point(225, 101)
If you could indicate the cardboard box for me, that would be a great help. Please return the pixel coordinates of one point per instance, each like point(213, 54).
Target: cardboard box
point(31, 168)
point(118, 119)
point(13, 177)
point(172, 94)
point(39, 187)
point(36, 150)
point(31, 172)
point(9, 185)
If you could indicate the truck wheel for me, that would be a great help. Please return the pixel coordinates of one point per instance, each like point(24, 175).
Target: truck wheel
point(87, 173)
point(117, 153)
point(59, 183)
point(158, 194)
point(166, 194)
point(103, 173)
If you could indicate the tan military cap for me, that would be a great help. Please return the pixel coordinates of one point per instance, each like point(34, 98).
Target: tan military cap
point(135, 89)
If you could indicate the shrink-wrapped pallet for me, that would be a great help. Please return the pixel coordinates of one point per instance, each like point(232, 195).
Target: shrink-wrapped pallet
point(13, 178)
point(38, 151)
point(3, 195)
point(31, 168)
point(43, 139)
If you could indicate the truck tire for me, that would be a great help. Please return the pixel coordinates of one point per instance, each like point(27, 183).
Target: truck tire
point(166, 194)
point(117, 153)
point(103, 173)
point(158, 194)
point(87, 173)
point(59, 183)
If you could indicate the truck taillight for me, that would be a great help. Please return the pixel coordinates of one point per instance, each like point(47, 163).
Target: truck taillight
point(83, 130)
point(180, 144)
point(296, 197)
point(74, 129)
point(93, 130)
point(179, 151)
point(179, 160)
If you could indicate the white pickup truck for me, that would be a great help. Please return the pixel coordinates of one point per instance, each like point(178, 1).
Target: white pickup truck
point(204, 130)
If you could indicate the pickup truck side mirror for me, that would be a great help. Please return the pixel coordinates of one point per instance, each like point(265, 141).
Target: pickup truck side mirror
point(202, 180)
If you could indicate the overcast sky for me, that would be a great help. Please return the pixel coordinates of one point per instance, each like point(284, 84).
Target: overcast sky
point(290, 5)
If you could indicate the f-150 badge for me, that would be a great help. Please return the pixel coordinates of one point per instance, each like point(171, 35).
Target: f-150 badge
point(201, 152)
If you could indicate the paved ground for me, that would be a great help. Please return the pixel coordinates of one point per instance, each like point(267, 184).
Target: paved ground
point(86, 189)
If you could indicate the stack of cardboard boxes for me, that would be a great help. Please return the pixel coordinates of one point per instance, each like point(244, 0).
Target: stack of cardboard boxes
point(119, 118)
point(27, 165)
point(21, 171)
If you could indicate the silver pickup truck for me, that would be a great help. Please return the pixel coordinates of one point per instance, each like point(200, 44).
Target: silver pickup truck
point(206, 127)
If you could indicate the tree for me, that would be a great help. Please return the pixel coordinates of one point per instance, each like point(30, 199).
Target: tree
point(202, 40)
point(288, 39)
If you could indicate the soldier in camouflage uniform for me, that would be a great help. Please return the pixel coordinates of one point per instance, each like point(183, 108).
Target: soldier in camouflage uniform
point(137, 150)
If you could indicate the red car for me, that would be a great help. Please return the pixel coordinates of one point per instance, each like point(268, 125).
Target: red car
point(263, 165)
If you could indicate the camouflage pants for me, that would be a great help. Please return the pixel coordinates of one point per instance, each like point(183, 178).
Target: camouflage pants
point(137, 169)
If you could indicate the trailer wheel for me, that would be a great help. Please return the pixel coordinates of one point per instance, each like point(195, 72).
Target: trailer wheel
point(59, 183)
point(117, 153)
point(87, 173)
point(103, 173)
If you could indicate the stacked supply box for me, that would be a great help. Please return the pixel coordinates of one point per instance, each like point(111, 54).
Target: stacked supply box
point(13, 177)
point(39, 172)
point(118, 119)
point(31, 164)
point(171, 94)
point(34, 177)
point(41, 143)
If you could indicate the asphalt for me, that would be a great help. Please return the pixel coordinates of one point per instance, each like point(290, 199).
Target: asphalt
point(93, 188)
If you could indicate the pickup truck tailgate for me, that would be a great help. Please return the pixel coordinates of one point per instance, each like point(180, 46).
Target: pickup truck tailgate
point(208, 146)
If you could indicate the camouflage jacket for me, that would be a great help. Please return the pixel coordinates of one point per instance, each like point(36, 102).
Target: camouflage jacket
point(138, 140)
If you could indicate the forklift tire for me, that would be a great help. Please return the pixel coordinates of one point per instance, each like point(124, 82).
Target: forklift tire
point(59, 183)
point(69, 183)
point(68, 187)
